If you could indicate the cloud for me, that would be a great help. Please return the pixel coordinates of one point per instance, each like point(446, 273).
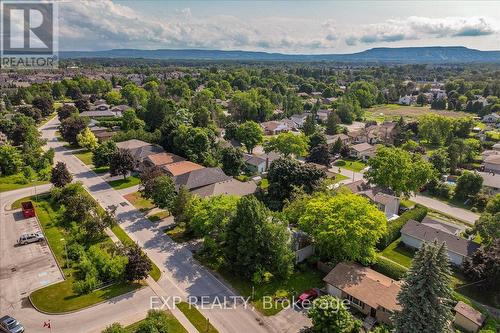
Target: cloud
point(415, 27)
point(103, 24)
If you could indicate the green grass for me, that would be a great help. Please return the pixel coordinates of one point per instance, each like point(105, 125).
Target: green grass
point(178, 234)
point(353, 165)
point(493, 135)
point(124, 183)
point(338, 178)
point(196, 318)
point(173, 325)
point(407, 203)
point(299, 282)
point(100, 170)
point(17, 181)
point(85, 156)
point(60, 297)
point(399, 253)
point(126, 240)
point(139, 202)
point(158, 216)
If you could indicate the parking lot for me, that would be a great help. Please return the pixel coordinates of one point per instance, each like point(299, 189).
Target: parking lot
point(23, 268)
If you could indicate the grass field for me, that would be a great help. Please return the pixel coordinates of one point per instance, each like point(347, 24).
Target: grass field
point(196, 318)
point(124, 183)
point(17, 181)
point(178, 234)
point(353, 165)
point(388, 112)
point(139, 202)
point(100, 170)
point(299, 282)
point(60, 297)
point(85, 156)
point(158, 216)
point(173, 325)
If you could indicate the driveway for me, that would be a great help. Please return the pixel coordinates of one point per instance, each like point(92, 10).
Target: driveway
point(182, 275)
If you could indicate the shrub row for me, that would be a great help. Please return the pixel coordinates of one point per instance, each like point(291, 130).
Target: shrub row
point(389, 268)
point(394, 227)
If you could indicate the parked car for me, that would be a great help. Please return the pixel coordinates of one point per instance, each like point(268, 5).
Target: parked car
point(28, 209)
point(308, 296)
point(11, 325)
point(30, 238)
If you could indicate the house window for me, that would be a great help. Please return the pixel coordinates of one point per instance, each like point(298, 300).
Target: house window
point(356, 301)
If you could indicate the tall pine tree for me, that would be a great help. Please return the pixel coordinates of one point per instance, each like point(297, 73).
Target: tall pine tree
point(425, 295)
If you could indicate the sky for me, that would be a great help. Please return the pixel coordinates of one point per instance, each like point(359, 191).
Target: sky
point(306, 27)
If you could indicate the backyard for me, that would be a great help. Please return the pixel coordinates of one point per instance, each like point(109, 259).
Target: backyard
point(349, 164)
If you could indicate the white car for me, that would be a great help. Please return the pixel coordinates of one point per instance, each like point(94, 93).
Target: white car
point(30, 238)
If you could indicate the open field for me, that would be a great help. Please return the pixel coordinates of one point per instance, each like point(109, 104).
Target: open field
point(389, 112)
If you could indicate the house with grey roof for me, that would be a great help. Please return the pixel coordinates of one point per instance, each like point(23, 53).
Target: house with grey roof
point(362, 151)
point(227, 187)
point(139, 149)
point(414, 234)
point(257, 164)
point(196, 179)
point(382, 198)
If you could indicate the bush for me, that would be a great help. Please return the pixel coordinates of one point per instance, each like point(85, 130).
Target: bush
point(394, 227)
point(387, 267)
point(86, 286)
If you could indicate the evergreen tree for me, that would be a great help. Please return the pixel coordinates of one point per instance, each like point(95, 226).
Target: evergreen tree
point(332, 123)
point(309, 126)
point(60, 175)
point(425, 295)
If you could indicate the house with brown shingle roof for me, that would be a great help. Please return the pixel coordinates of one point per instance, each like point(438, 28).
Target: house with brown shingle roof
point(161, 159)
point(467, 317)
point(368, 291)
point(179, 168)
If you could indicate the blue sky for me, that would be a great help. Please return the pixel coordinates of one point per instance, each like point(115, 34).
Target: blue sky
point(278, 26)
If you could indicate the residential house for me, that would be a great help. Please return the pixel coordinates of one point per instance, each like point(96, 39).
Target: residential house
point(328, 100)
point(491, 181)
point(322, 114)
point(257, 164)
point(102, 133)
point(384, 132)
point(491, 118)
point(139, 149)
point(414, 234)
point(196, 179)
point(496, 147)
point(275, 127)
point(98, 113)
point(230, 186)
point(162, 159)
point(492, 163)
point(407, 100)
point(179, 168)
point(362, 151)
point(467, 318)
point(370, 292)
point(383, 199)
point(299, 119)
point(331, 139)
point(441, 225)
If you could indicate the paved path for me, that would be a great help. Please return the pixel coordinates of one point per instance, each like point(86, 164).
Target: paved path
point(181, 274)
point(459, 213)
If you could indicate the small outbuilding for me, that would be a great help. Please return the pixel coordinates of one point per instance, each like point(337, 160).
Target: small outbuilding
point(468, 318)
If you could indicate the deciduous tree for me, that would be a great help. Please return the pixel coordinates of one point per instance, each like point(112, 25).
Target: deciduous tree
point(86, 139)
point(287, 144)
point(329, 314)
point(60, 176)
point(122, 162)
point(250, 134)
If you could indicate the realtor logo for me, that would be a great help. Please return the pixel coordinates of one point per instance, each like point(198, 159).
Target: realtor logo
point(28, 31)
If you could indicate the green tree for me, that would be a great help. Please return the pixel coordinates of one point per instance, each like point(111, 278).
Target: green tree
point(60, 176)
point(309, 126)
point(163, 192)
point(344, 227)
point(138, 265)
point(44, 104)
point(435, 128)
point(255, 243)
point(66, 111)
point(10, 160)
point(86, 139)
point(421, 99)
point(329, 315)
point(287, 144)
point(157, 321)
point(122, 162)
point(102, 154)
point(232, 161)
point(250, 134)
point(484, 265)
point(468, 185)
point(209, 217)
point(71, 127)
point(399, 170)
point(114, 328)
point(130, 121)
point(316, 139)
point(332, 123)
point(320, 155)
point(440, 160)
point(425, 295)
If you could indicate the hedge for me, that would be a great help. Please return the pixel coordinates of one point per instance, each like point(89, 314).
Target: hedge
point(389, 268)
point(394, 227)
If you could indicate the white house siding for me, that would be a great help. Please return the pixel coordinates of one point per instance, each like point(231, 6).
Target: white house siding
point(455, 259)
point(333, 291)
point(304, 253)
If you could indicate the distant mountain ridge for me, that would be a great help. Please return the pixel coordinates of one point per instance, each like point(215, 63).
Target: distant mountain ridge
point(409, 55)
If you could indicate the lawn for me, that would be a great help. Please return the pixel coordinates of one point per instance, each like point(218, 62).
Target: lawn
point(100, 170)
point(125, 239)
point(60, 297)
point(124, 183)
point(338, 178)
point(299, 282)
point(407, 203)
point(199, 321)
point(178, 234)
point(399, 253)
point(389, 112)
point(17, 181)
point(173, 325)
point(493, 135)
point(85, 156)
point(353, 165)
point(139, 202)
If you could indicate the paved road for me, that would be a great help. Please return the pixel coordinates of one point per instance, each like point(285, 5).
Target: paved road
point(182, 275)
point(456, 212)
